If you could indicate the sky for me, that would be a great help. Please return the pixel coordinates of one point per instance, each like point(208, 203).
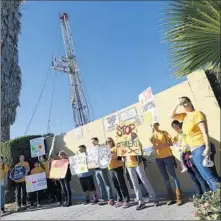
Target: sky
point(120, 53)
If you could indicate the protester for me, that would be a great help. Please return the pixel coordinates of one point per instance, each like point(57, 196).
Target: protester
point(117, 174)
point(65, 183)
point(103, 181)
point(20, 184)
point(36, 196)
point(165, 161)
point(4, 182)
point(87, 182)
point(195, 129)
point(198, 181)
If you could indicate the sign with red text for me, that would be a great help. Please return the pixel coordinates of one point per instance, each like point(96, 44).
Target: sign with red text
point(37, 147)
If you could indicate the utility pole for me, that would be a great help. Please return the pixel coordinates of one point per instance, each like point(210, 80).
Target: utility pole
point(68, 65)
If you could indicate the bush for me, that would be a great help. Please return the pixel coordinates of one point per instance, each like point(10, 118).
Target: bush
point(208, 206)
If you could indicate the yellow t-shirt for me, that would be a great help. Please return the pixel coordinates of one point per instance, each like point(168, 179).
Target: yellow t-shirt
point(194, 136)
point(161, 137)
point(46, 167)
point(114, 163)
point(37, 170)
point(180, 139)
point(25, 164)
point(3, 170)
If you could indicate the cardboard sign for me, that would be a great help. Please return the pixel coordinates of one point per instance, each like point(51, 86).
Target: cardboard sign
point(58, 169)
point(111, 122)
point(92, 157)
point(104, 156)
point(36, 182)
point(78, 164)
point(37, 147)
point(128, 114)
point(18, 173)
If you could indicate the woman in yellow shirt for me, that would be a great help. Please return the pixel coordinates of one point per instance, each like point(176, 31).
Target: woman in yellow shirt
point(117, 174)
point(197, 137)
point(162, 142)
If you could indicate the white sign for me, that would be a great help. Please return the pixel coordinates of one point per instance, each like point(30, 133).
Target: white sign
point(104, 156)
point(128, 114)
point(37, 147)
point(111, 122)
point(78, 164)
point(92, 157)
point(149, 153)
point(79, 133)
point(36, 182)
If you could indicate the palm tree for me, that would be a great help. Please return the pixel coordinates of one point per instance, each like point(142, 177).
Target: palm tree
point(10, 70)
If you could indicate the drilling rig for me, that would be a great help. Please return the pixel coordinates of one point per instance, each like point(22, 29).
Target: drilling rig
point(68, 64)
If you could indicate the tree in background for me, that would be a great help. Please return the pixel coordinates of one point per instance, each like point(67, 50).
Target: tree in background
point(192, 28)
point(10, 70)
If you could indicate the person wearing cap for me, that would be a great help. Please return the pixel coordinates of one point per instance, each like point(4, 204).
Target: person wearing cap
point(165, 161)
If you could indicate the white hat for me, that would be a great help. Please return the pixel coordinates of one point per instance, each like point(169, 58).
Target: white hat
point(207, 162)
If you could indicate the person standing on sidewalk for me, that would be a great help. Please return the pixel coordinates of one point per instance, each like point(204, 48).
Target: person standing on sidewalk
point(103, 182)
point(117, 174)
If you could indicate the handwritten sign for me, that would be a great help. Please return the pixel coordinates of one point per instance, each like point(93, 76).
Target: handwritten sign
point(104, 156)
point(149, 153)
point(36, 182)
point(37, 147)
point(128, 143)
point(78, 164)
point(111, 122)
point(18, 173)
point(148, 105)
point(58, 169)
point(128, 114)
point(92, 157)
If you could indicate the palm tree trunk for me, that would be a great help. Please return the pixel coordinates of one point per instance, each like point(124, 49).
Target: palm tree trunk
point(5, 133)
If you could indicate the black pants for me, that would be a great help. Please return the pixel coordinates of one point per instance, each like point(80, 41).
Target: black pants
point(117, 176)
point(21, 199)
point(66, 190)
point(36, 197)
point(52, 191)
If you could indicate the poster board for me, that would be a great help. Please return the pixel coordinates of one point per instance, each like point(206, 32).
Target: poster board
point(79, 133)
point(58, 169)
point(18, 172)
point(128, 114)
point(149, 154)
point(36, 182)
point(92, 157)
point(104, 156)
point(111, 122)
point(37, 147)
point(78, 164)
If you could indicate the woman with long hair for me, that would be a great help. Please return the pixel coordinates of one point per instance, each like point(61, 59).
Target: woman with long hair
point(195, 129)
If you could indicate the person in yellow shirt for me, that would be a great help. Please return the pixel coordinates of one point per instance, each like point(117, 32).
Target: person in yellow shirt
point(4, 182)
point(20, 184)
point(165, 161)
point(117, 175)
point(195, 129)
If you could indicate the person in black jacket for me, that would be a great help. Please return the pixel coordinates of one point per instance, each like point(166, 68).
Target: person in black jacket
point(65, 183)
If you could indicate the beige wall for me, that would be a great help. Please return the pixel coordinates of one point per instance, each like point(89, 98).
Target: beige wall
point(197, 88)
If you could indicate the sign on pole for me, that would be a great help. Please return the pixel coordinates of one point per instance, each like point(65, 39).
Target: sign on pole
point(78, 164)
point(37, 147)
point(36, 182)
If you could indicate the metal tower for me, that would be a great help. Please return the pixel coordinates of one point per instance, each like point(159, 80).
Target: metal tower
point(68, 65)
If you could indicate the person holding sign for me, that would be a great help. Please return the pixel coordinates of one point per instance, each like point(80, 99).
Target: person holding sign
point(4, 182)
point(20, 184)
point(117, 174)
point(35, 196)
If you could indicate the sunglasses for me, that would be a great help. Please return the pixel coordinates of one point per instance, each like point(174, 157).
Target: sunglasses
point(109, 141)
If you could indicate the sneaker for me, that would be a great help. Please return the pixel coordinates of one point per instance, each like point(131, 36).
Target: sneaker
point(156, 203)
point(3, 210)
point(183, 170)
point(102, 202)
point(94, 202)
point(126, 205)
point(38, 205)
point(111, 202)
point(118, 204)
point(24, 205)
point(86, 202)
point(59, 204)
point(140, 206)
point(170, 202)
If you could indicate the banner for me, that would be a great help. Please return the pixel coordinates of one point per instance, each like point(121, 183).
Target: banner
point(58, 169)
point(18, 172)
point(149, 153)
point(111, 122)
point(92, 157)
point(104, 156)
point(128, 114)
point(36, 182)
point(148, 105)
point(78, 164)
point(37, 147)
point(128, 143)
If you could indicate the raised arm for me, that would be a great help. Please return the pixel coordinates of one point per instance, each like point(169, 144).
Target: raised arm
point(176, 116)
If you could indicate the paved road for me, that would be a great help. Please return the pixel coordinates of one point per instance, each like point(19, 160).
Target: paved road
point(96, 212)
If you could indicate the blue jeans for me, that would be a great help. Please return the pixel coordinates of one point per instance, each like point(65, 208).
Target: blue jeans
point(205, 172)
point(167, 169)
point(2, 197)
point(103, 183)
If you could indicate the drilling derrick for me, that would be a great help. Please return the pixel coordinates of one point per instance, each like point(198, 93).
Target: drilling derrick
point(68, 65)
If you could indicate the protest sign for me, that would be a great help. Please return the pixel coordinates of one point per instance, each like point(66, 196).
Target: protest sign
point(37, 147)
point(18, 172)
point(36, 182)
point(149, 153)
point(58, 169)
point(78, 164)
point(128, 114)
point(79, 133)
point(111, 122)
point(104, 156)
point(92, 157)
